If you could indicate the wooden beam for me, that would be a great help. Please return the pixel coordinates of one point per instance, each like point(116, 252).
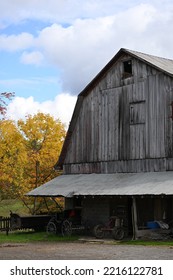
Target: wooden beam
point(134, 219)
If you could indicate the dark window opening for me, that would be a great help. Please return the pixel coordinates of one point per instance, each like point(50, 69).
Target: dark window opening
point(171, 116)
point(127, 68)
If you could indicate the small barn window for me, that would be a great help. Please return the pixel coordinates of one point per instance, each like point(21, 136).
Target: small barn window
point(137, 112)
point(127, 68)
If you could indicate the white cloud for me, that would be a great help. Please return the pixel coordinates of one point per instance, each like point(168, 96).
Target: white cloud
point(82, 49)
point(97, 30)
point(61, 107)
point(16, 42)
point(79, 50)
point(35, 58)
point(60, 11)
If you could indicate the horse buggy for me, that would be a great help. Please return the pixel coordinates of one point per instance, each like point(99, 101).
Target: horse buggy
point(65, 223)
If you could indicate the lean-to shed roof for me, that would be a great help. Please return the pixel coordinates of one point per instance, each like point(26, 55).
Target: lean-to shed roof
point(150, 183)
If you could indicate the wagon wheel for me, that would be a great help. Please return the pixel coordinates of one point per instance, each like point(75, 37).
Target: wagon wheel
point(51, 228)
point(98, 231)
point(66, 228)
point(118, 233)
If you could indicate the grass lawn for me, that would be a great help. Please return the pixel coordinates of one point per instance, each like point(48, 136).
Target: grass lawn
point(14, 205)
point(31, 236)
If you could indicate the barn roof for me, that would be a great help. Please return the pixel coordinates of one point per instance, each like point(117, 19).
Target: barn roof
point(162, 64)
point(149, 183)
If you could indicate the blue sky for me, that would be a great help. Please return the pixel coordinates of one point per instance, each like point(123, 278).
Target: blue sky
point(50, 50)
point(26, 79)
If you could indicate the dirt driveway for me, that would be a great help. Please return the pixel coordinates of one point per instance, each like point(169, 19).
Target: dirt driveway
point(83, 251)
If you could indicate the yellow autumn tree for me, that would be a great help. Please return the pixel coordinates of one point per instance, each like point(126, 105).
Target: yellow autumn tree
point(29, 150)
point(13, 158)
point(43, 137)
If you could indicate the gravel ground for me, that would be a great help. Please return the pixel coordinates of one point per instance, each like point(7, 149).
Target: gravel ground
point(83, 251)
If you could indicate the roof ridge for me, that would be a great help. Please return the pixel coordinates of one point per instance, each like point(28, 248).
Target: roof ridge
point(148, 54)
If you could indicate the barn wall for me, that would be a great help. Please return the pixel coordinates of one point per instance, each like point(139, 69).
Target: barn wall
point(124, 124)
point(123, 166)
point(96, 210)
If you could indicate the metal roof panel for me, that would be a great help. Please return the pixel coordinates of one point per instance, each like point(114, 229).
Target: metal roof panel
point(149, 183)
point(164, 64)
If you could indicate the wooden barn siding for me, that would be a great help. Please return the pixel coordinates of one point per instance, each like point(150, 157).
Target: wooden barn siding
point(168, 87)
point(103, 136)
point(121, 166)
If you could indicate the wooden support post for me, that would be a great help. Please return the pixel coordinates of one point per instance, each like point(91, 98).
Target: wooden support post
point(34, 205)
point(46, 204)
point(134, 218)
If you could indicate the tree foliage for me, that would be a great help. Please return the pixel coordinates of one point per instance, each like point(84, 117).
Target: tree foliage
point(12, 159)
point(28, 152)
point(43, 139)
point(4, 96)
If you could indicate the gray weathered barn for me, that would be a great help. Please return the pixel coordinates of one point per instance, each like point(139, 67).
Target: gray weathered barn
point(117, 157)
